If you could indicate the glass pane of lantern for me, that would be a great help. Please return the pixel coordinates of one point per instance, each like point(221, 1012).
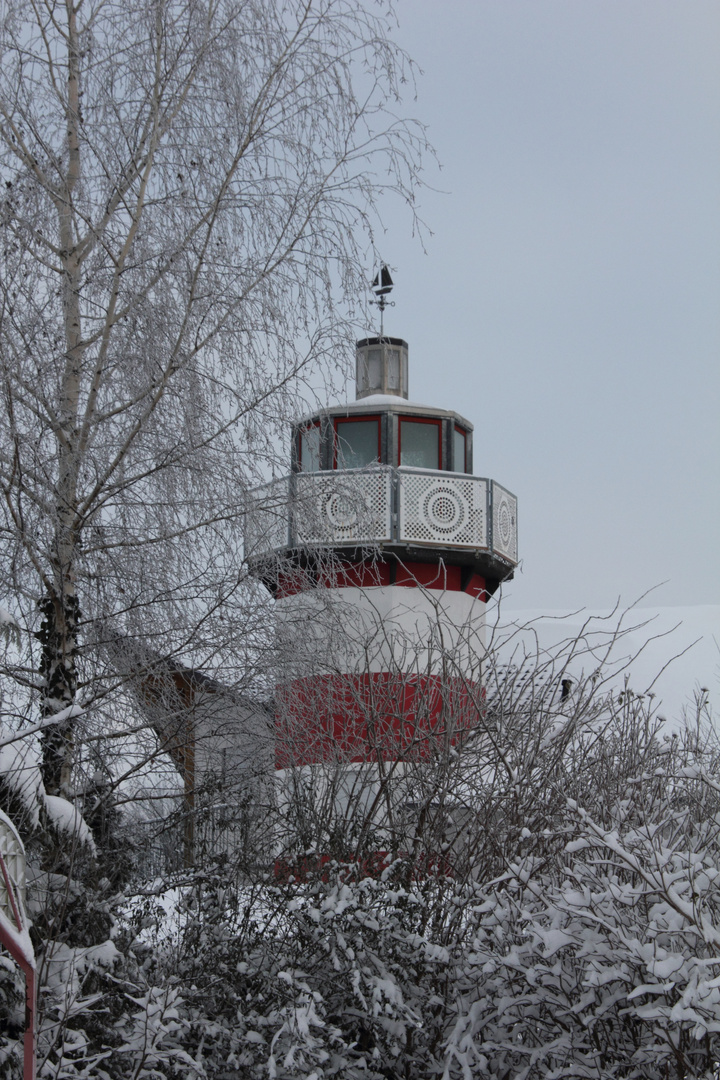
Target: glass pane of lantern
point(419, 444)
point(373, 364)
point(459, 459)
point(357, 443)
point(393, 356)
point(310, 449)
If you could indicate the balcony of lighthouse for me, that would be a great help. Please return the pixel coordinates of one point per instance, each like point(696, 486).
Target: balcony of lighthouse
point(383, 474)
point(407, 514)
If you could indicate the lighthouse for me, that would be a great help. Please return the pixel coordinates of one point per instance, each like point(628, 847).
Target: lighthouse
point(381, 547)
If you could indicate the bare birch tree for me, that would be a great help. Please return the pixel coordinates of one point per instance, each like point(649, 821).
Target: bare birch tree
point(188, 191)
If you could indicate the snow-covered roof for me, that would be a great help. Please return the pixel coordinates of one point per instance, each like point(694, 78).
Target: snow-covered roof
point(382, 402)
point(383, 399)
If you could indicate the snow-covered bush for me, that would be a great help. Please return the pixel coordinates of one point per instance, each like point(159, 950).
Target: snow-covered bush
point(593, 953)
point(602, 960)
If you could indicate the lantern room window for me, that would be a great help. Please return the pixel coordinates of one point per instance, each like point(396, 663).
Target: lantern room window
point(459, 450)
point(309, 449)
point(357, 442)
point(420, 443)
point(394, 370)
point(373, 375)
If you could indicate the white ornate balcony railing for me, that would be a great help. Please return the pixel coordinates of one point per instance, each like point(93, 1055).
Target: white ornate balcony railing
point(379, 504)
point(504, 518)
point(442, 508)
point(352, 506)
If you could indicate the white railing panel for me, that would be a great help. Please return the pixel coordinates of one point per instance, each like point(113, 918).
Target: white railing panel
point(504, 512)
point(352, 506)
point(267, 518)
point(442, 508)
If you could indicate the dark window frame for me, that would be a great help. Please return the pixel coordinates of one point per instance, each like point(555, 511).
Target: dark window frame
point(363, 418)
point(463, 432)
point(301, 432)
point(420, 420)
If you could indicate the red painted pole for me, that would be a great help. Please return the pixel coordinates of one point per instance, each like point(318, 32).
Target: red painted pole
point(29, 1038)
point(26, 963)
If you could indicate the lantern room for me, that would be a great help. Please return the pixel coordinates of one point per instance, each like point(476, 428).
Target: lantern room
point(387, 473)
point(381, 427)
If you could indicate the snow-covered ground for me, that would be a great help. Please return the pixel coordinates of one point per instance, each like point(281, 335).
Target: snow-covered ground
point(676, 649)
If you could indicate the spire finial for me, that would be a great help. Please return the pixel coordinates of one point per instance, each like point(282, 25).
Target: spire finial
point(381, 286)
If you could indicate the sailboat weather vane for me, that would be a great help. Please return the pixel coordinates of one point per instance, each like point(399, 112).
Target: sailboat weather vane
point(381, 286)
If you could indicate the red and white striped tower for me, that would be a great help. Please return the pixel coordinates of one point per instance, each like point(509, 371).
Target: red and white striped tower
point(381, 548)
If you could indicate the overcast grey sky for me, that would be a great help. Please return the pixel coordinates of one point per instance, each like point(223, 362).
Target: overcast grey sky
point(569, 300)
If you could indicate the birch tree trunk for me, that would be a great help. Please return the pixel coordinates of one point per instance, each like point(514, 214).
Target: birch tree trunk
point(60, 603)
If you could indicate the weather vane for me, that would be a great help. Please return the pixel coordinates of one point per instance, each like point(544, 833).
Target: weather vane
point(381, 286)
